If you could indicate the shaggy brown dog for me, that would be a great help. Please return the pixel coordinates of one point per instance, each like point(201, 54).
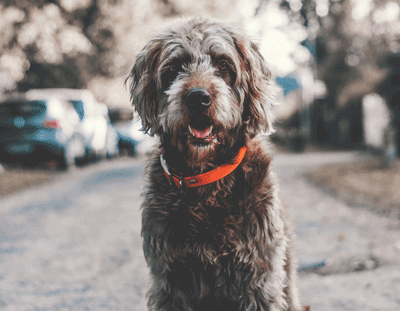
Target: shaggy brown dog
point(218, 241)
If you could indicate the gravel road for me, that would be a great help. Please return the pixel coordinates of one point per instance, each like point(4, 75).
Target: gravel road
point(75, 244)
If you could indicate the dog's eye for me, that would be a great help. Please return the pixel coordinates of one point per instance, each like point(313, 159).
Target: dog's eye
point(170, 73)
point(223, 65)
point(175, 67)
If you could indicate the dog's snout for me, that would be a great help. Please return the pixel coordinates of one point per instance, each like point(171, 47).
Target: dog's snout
point(198, 99)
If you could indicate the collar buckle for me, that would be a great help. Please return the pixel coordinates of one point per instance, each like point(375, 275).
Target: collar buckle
point(180, 185)
point(166, 170)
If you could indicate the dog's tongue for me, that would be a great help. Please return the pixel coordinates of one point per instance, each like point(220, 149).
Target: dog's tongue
point(201, 133)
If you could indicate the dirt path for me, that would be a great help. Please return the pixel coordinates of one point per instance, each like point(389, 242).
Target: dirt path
point(358, 252)
point(75, 244)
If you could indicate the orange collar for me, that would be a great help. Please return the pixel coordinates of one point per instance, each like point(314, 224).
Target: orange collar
point(205, 178)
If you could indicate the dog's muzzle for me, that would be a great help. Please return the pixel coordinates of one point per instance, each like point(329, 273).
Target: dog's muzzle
point(198, 100)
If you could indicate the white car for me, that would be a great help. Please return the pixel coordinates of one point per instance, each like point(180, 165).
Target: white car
point(93, 126)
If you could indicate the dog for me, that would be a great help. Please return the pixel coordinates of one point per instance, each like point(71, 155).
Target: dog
point(215, 233)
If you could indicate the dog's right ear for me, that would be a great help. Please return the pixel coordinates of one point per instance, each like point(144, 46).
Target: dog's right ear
point(255, 80)
point(143, 86)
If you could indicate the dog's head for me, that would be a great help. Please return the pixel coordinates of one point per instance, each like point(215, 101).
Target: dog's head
point(202, 84)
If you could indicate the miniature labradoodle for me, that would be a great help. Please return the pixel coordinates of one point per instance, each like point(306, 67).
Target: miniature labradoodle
point(215, 234)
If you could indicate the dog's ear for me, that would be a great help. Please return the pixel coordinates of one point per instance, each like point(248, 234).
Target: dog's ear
point(143, 86)
point(255, 80)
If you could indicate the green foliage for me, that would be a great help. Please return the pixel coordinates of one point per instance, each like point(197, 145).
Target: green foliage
point(351, 37)
point(59, 43)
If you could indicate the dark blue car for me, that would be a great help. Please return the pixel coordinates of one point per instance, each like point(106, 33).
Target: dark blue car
point(35, 130)
point(130, 136)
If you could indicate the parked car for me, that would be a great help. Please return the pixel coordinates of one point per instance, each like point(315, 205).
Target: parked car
point(112, 143)
point(129, 136)
point(110, 149)
point(38, 129)
point(92, 128)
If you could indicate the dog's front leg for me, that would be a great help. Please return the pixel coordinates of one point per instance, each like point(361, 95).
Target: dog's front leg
point(163, 294)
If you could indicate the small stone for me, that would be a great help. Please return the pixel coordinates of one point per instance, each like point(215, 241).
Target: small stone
point(369, 264)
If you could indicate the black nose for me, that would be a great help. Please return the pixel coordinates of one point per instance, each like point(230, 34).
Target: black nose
point(198, 99)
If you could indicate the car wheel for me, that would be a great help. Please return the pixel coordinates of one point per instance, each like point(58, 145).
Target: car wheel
point(131, 151)
point(78, 146)
point(67, 160)
point(87, 157)
point(97, 157)
point(299, 144)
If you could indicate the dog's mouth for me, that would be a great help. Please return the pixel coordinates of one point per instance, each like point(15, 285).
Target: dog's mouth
point(201, 136)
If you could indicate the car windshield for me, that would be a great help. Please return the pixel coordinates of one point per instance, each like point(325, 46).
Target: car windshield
point(78, 105)
point(21, 109)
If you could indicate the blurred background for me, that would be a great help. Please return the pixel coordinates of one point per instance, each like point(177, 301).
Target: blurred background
point(337, 63)
point(71, 150)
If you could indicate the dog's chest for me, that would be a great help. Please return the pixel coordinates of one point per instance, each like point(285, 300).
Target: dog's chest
point(211, 222)
point(205, 240)
point(227, 217)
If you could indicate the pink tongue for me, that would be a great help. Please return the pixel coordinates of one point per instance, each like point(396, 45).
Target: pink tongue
point(201, 134)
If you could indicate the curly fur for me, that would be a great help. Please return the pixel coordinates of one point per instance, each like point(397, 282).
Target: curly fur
point(225, 245)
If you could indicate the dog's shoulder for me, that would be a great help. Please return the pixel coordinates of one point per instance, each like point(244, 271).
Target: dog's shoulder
point(258, 160)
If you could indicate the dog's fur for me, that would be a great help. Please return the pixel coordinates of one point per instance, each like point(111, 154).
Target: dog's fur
point(225, 245)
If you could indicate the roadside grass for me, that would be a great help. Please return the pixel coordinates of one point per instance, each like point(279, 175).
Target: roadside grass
point(16, 179)
point(365, 183)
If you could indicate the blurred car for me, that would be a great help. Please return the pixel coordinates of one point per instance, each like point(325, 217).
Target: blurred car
point(129, 136)
point(38, 129)
point(92, 128)
point(110, 149)
point(112, 142)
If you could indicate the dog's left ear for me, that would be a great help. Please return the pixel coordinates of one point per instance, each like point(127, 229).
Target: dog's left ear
point(259, 89)
point(143, 88)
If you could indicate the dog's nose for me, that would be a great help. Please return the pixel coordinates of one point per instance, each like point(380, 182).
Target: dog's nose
point(198, 99)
